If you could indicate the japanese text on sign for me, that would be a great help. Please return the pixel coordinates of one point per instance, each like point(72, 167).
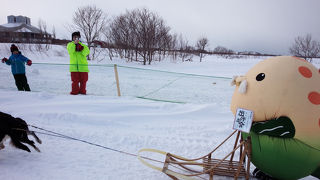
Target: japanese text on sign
point(243, 120)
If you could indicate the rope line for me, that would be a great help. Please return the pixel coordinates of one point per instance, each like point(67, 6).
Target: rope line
point(187, 74)
point(72, 138)
point(63, 64)
point(144, 69)
point(164, 86)
point(161, 100)
point(59, 135)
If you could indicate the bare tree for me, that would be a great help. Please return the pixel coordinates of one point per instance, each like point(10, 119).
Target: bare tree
point(123, 34)
point(118, 34)
point(201, 46)
point(41, 26)
point(305, 47)
point(140, 33)
point(54, 32)
point(110, 47)
point(44, 41)
point(184, 49)
point(173, 46)
point(152, 31)
point(91, 21)
point(223, 51)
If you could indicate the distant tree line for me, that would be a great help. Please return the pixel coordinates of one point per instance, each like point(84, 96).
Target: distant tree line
point(136, 35)
point(143, 36)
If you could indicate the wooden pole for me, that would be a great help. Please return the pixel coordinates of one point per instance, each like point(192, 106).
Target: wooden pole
point(242, 157)
point(117, 79)
point(249, 157)
point(235, 145)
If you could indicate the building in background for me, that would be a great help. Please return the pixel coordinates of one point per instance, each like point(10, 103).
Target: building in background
point(19, 30)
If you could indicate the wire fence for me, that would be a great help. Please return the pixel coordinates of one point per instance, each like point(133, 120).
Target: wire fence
point(135, 82)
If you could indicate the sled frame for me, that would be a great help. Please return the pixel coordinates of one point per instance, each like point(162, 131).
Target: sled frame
point(210, 165)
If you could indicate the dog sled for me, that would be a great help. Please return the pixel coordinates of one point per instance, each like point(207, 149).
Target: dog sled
point(205, 167)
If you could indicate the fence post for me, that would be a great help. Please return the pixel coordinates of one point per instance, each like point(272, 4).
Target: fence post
point(117, 79)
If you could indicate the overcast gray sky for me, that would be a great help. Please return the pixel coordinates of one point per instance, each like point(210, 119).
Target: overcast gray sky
point(267, 26)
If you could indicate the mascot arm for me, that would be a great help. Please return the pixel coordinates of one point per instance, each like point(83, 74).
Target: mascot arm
point(279, 127)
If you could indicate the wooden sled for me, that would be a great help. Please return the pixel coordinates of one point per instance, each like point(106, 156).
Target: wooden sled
point(177, 167)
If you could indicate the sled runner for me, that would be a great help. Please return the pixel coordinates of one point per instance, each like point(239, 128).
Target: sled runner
point(206, 166)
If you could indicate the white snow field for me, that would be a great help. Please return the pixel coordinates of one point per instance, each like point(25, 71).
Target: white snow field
point(189, 115)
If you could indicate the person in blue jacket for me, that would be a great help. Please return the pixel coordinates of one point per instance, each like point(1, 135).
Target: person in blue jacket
point(17, 62)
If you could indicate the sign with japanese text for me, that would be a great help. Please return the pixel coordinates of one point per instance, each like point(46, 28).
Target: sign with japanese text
point(243, 120)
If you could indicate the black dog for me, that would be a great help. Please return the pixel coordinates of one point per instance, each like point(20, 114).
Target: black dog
point(17, 129)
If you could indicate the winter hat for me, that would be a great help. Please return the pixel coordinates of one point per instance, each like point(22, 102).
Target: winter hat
point(77, 33)
point(13, 48)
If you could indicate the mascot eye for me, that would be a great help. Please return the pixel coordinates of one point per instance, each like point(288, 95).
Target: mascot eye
point(260, 77)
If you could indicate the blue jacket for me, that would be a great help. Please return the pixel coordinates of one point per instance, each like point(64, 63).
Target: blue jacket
point(17, 62)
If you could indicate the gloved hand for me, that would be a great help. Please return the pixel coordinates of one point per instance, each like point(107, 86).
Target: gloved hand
point(29, 62)
point(4, 60)
point(79, 47)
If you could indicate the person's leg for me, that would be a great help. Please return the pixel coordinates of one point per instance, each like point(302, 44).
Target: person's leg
point(83, 82)
point(25, 83)
point(18, 80)
point(75, 78)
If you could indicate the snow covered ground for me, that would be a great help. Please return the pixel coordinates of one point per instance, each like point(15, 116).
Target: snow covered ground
point(125, 123)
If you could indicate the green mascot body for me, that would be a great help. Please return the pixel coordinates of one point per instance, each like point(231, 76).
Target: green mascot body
point(283, 158)
point(284, 95)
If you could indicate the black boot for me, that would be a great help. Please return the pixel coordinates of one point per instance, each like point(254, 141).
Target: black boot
point(257, 173)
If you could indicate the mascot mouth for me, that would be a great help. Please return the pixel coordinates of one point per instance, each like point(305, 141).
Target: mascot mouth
point(281, 127)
